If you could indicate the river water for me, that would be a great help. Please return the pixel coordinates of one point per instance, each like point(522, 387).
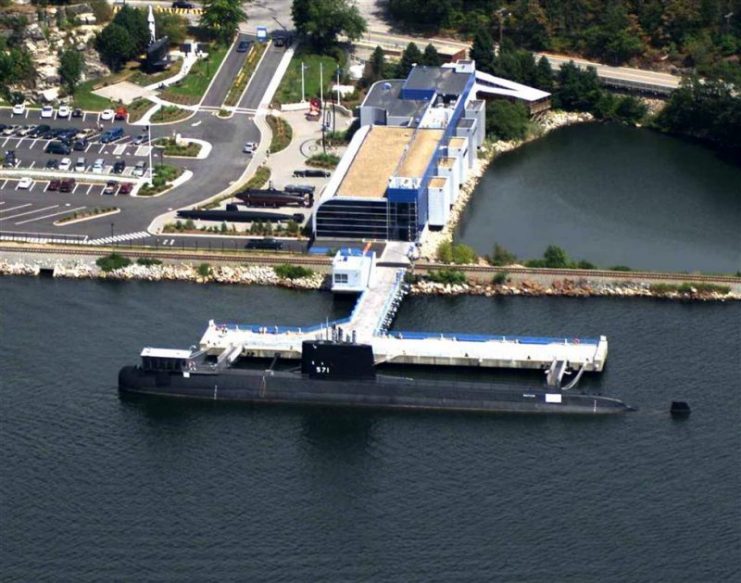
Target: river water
point(612, 195)
point(93, 488)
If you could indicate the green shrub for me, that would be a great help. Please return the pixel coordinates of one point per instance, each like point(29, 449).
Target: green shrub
point(451, 276)
point(458, 253)
point(502, 256)
point(445, 252)
point(703, 288)
point(620, 268)
point(583, 264)
point(500, 278)
point(204, 270)
point(112, 262)
point(148, 261)
point(287, 271)
point(662, 288)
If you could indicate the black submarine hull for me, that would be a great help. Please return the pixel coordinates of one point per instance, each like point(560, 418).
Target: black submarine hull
point(285, 388)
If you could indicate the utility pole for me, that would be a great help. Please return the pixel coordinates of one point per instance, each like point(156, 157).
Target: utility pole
point(303, 83)
point(149, 144)
point(321, 85)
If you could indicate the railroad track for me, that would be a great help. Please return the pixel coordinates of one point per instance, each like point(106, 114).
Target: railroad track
point(323, 261)
point(584, 273)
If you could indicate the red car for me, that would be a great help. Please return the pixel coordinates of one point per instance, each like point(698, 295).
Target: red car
point(125, 188)
point(121, 113)
point(67, 185)
point(53, 184)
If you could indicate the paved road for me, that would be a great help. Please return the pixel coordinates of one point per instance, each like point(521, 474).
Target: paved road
point(229, 70)
point(261, 79)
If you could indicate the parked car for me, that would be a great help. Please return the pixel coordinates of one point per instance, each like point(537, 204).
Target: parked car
point(311, 173)
point(19, 109)
point(110, 187)
point(80, 165)
point(80, 145)
point(23, 131)
point(8, 130)
point(243, 46)
point(125, 188)
point(39, 131)
point(54, 184)
point(77, 112)
point(52, 164)
point(266, 243)
point(47, 111)
point(184, 5)
point(98, 166)
point(111, 135)
point(67, 185)
point(121, 113)
point(140, 139)
point(65, 164)
point(58, 148)
point(64, 111)
point(10, 159)
point(107, 115)
point(119, 166)
point(249, 147)
point(140, 168)
point(25, 183)
point(67, 135)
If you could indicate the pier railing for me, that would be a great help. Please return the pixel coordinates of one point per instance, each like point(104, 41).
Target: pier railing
point(541, 340)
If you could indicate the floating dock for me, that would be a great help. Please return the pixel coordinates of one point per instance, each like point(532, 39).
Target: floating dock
point(370, 321)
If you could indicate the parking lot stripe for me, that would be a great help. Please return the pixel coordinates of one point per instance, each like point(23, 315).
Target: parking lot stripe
point(65, 211)
point(89, 188)
point(5, 182)
point(88, 147)
point(20, 206)
point(33, 163)
point(101, 149)
point(6, 141)
point(33, 143)
point(41, 210)
point(75, 188)
point(30, 188)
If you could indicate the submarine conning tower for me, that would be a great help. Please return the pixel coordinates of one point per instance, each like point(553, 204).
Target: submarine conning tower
point(371, 319)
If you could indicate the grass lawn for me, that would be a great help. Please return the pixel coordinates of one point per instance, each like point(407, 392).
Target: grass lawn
point(87, 100)
point(169, 113)
point(172, 149)
point(323, 160)
point(142, 79)
point(282, 133)
point(289, 90)
point(163, 175)
point(190, 90)
point(138, 108)
point(245, 74)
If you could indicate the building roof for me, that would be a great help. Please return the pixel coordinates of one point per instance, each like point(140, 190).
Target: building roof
point(166, 352)
point(388, 151)
point(385, 95)
point(438, 181)
point(420, 152)
point(445, 81)
point(491, 85)
point(457, 142)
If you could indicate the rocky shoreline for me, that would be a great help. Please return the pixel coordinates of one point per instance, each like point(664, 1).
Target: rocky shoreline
point(241, 275)
point(265, 275)
point(549, 121)
point(570, 288)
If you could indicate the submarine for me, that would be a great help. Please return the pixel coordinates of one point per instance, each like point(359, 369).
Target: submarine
point(343, 373)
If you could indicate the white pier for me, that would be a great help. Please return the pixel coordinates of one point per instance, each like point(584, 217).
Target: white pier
point(369, 324)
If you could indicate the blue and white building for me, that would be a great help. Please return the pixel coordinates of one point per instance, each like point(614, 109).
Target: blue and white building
point(416, 145)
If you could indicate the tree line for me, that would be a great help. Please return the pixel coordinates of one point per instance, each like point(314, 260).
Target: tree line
point(694, 33)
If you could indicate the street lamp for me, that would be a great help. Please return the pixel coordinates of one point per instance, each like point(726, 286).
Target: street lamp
point(502, 13)
point(303, 83)
point(112, 232)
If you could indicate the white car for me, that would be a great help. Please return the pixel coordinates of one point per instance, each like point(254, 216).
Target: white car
point(19, 109)
point(140, 169)
point(47, 111)
point(64, 111)
point(107, 115)
point(98, 166)
point(249, 148)
point(65, 164)
point(25, 183)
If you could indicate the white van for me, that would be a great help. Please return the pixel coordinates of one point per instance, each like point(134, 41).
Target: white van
point(98, 166)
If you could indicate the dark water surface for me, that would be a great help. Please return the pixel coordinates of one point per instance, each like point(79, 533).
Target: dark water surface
point(613, 195)
point(93, 488)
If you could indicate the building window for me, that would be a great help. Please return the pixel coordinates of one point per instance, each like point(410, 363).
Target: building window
point(340, 277)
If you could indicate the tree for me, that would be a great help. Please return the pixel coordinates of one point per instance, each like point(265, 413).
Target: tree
point(502, 256)
point(578, 90)
point(544, 75)
point(377, 65)
point(321, 21)
point(173, 26)
point(409, 57)
point(506, 120)
point(555, 257)
point(531, 25)
point(482, 51)
point(431, 57)
point(115, 46)
point(425, 14)
point(134, 22)
point(71, 65)
point(221, 19)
